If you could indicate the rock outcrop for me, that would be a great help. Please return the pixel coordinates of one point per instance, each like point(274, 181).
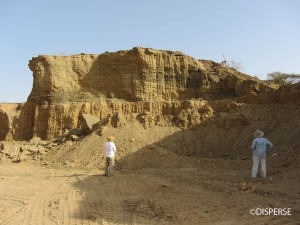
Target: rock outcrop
point(9, 114)
point(4, 124)
point(140, 74)
point(151, 85)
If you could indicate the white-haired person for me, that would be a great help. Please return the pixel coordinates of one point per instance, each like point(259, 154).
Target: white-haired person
point(110, 151)
point(260, 146)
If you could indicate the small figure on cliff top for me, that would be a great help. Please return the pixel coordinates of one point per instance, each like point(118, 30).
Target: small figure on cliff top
point(110, 151)
point(260, 146)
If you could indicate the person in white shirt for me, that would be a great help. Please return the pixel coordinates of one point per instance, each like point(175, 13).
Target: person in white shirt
point(110, 151)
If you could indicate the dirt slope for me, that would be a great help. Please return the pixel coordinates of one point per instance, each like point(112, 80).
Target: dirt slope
point(226, 135)
point(164, 175)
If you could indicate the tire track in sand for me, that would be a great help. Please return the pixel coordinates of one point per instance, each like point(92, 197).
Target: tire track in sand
point(38, 212)
point(69, 208)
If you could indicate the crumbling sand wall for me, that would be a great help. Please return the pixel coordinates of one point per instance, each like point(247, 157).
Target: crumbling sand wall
point(142, 82)
point(4, 124)
point(140, 74)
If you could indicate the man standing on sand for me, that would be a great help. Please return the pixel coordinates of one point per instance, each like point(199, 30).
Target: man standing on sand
point(110, 151)
point(260, 146)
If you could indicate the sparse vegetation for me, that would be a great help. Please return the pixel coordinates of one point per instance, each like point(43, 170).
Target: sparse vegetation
point(283, 78)
point(233, 64)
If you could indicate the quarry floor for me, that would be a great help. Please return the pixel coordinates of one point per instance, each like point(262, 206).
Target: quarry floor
point(216, 191)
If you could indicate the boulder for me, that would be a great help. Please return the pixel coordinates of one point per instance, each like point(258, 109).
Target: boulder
point(35, 141)
point(87, 121)
point(22, 157)
point(75, 131)
point(41, 150)
point(11, 149)
point(73, 137)
point(43, 143)
point(33, 148)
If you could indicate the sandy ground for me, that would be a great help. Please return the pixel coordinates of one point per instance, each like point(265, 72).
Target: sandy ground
point(214, 192)
point(164, 175)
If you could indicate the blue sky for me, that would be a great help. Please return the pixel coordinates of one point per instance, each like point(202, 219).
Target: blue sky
point(263, 35)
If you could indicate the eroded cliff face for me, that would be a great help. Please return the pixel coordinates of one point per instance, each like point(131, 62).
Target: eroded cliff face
point(52, 120)
point(140, 74)
point(9, 114)
point(4, 124)
point(154, 86)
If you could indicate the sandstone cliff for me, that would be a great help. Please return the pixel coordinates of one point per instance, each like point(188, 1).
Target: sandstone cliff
point(9, 113)
point(4, 124)
point(140, 74)
point(152, 85)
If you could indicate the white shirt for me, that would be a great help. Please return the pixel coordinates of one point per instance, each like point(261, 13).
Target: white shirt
point(110, 149)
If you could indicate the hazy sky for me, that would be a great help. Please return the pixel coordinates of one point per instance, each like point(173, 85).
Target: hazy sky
point(263, 35)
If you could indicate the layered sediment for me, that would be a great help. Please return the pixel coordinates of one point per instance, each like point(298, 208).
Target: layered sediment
point(141, 80)
point(140, 74)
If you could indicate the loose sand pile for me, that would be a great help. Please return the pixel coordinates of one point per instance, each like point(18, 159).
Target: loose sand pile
point(164, 174)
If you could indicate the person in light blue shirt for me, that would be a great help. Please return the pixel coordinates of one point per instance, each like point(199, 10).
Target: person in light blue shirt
point(260, 146)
